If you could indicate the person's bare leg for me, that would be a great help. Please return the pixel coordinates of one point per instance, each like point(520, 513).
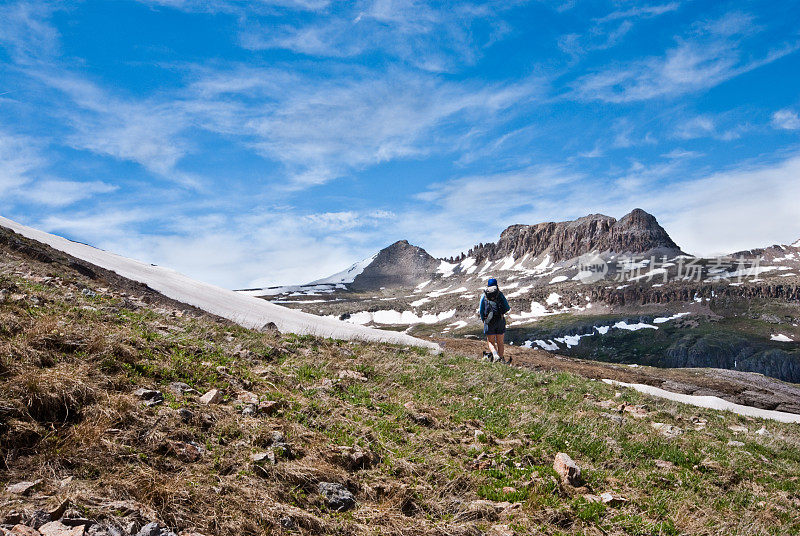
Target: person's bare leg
point(499, 344)
point(489, 344)
point(494, 340)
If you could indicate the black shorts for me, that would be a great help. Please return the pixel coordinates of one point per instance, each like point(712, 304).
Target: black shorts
point(495, 327)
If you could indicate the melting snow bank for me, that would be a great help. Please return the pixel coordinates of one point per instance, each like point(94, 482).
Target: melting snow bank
point(710, 402)
point(246, 311)
point(392, 317)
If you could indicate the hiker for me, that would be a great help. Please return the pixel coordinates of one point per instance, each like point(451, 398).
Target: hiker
point(492, 308)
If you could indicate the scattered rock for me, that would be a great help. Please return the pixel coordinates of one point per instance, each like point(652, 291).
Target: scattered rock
point(763, 431)
point(667, 430)
point(271, 407)
point(247, 397)
point(56, 528)
point(508, 490)
point(738, 429)
point(337, 497)
point(187, 451)
point(618, 419)
point(186, 415)
point(612, 499)
point(500, 530)
point(263, 458)
point(637, 412)
point(89, 293)
point(735, 443)
point(699, 423)
point(567, 469)
point(212, 397)
point(664, 464)
point(589, 497)
point(151, 529)
point(151, 397)
point(353, 458)
point(24, 487)
point(180, 388)
point(352, 375)
point(24, 530)
point(271, 328)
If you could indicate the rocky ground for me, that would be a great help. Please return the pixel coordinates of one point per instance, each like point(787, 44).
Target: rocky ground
point(125, 415)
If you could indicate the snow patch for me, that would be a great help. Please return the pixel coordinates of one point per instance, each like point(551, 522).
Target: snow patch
point(392, 317)
point(780, 337)
point(247, 311)
point(349, 275)
point(633, 327)
point(558, 279)
point(662, 319)
point(446, 269)
point(710, 402)
point(553, 298)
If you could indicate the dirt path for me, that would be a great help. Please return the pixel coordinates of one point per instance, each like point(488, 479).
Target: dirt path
point(744, 388)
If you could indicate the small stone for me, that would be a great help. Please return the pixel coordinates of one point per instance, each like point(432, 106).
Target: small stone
point(89, 293)
point(271, 328)
point(591, 498)
point(663, 464)
point(337, 497)
point(352, 375)
point(667, 430)
point(500, 530)
point(612, 499)
point(763, 431)
point(270, 407)
point(151, 529)
point(735, 443)
point(56, 528)
point(151, 397)
point(23, 488)
point(567, 469)
point(738, 429)
point(508, 490)
point(247, 398)
point(186, 414)
point(211, 397)
point(130, 528)
point(180, 388)
point(262, 458)
point(24, 530)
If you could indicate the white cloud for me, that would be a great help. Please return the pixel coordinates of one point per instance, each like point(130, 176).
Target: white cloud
point(708, 57)
point(60, 193)
point(323, 130)
point(146, 131)
point(696, 127)
point(26, 32)
point(19, 158)
point(786, 119)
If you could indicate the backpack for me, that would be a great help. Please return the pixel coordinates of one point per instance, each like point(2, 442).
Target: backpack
point(491, 308)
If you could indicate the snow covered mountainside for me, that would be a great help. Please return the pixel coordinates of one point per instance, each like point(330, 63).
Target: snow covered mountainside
point(599, 288)
point(245, 310)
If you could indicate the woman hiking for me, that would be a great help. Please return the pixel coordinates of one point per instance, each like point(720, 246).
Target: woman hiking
point(493, 307)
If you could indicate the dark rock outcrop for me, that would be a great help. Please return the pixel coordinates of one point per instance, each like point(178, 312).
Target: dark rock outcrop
point(399, 265)
point(637, 232)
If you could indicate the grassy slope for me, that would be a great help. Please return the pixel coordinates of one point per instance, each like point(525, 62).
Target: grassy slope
point(70, 363)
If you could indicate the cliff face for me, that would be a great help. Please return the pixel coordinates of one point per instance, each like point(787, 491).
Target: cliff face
point(399, 265)
point(637, 232)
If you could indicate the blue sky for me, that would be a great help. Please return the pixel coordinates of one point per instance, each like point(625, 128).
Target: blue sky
point(278, 141)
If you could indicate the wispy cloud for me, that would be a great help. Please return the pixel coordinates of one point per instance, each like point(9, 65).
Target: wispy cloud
point(609, 30)
point(325, 129)
point(428, 36)
point(786, 120)
point(710, 55)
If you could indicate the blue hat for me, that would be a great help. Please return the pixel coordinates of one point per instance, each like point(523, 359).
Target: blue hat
point(492, 282)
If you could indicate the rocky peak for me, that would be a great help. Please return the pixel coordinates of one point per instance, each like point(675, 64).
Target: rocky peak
point(400, 264)
point(637, 232)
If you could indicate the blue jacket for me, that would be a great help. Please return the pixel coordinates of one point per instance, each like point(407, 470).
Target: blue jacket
point(502, 302)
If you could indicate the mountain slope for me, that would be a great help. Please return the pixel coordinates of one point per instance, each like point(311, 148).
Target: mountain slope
point(104, 432)
point(245, 310)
